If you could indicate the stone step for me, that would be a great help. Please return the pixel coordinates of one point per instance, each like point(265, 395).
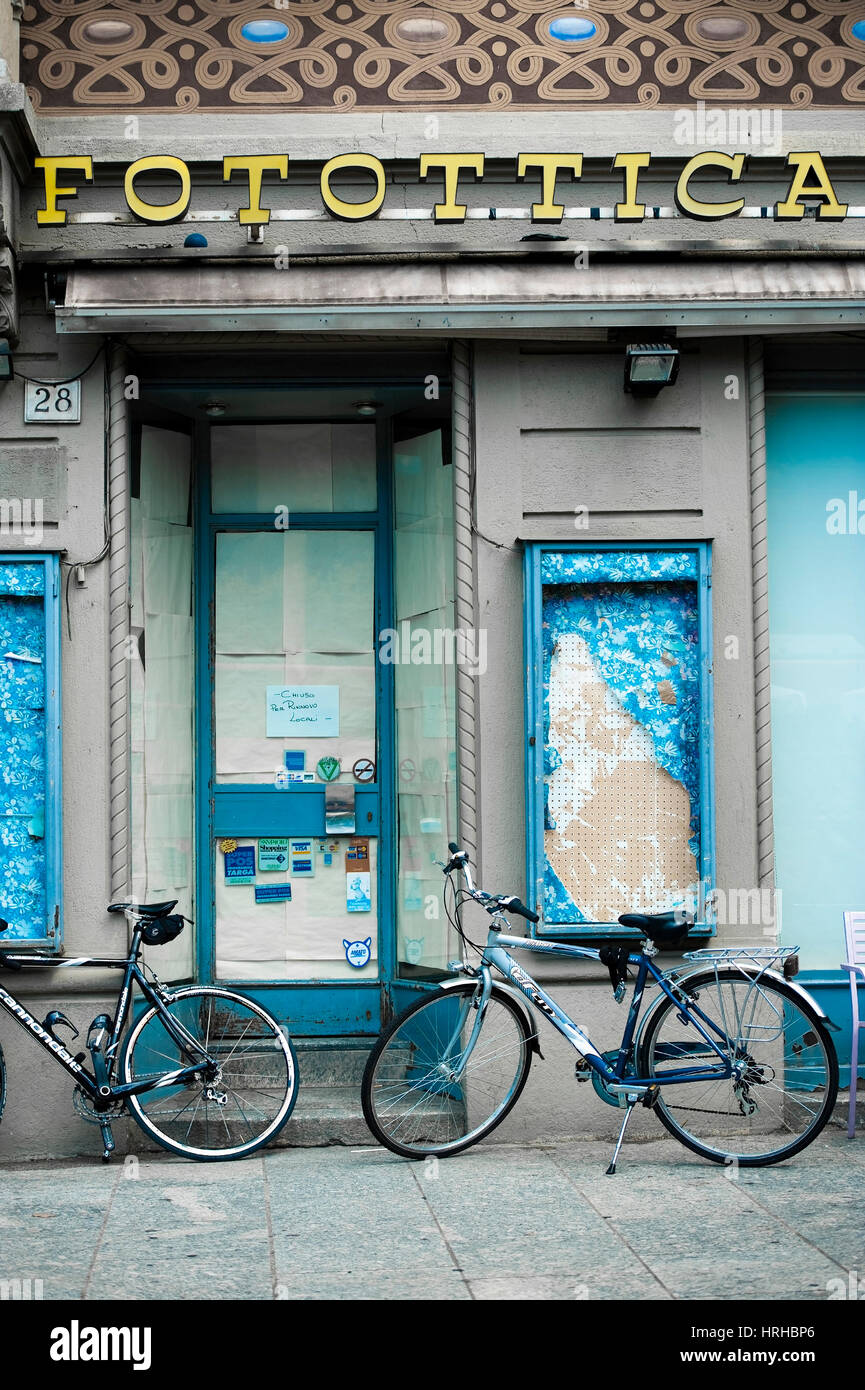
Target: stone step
point(332, 1061)
point(326, 1114)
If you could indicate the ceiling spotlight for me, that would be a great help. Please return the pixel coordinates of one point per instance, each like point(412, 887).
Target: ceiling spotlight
point(649, 367)
point(366, 407)
point(215, 408)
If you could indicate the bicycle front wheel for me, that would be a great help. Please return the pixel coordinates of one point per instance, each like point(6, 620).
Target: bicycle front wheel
point(427, 1091)
point(246, 1096)
point(785, 1077)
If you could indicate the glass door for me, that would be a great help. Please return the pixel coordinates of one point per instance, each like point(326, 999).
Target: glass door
point(295, 734)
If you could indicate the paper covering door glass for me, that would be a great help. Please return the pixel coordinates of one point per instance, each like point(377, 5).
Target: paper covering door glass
point(425, 695)
point(288, 468)
point(162, 685)
point(294, 628)
point(295, 683)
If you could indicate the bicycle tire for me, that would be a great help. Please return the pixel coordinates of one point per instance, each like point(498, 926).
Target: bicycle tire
point(420, 1032)
point(781, 1035)
point(240, 1018)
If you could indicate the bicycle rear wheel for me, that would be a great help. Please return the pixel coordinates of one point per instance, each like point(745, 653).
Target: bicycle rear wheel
point(787, 1069)
point(249, 1094)
point(421, 1095)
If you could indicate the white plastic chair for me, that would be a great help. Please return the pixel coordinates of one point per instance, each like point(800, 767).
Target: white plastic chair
point(854, 931)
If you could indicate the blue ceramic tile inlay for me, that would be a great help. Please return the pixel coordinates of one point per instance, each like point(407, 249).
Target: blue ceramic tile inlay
point(571, 27)
point(264, 30)
point(858, 30)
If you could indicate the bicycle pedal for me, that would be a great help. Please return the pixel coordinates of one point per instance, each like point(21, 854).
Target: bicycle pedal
point(652, 1096)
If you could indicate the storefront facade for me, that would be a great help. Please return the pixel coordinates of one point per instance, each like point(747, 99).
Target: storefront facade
point(338, 535)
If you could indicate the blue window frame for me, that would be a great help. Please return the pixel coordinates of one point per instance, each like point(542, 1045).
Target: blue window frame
point(30, 792)
point(619, 782)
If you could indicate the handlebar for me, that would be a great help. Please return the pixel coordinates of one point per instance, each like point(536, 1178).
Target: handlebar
point(493, 902)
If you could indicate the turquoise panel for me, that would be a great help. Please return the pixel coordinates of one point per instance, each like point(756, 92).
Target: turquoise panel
point(22, 751)
point(816, 507)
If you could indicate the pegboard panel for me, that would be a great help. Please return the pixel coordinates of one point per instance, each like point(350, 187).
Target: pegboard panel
point(621, 705)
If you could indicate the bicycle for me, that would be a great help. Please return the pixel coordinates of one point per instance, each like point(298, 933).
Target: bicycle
point(204, 1071)
point(735, 1060)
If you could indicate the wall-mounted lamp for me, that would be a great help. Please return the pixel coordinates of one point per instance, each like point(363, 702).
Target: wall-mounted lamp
point(6, 367)
point(366, 408)
point(649, 366)
point(214, 409)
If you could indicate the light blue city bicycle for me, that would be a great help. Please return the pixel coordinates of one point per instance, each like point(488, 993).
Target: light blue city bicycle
point(735, 1059)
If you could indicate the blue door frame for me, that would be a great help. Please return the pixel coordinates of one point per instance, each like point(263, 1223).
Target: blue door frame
point(320, 1007)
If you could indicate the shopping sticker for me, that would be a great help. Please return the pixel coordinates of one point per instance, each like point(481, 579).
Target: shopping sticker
point(272, 855)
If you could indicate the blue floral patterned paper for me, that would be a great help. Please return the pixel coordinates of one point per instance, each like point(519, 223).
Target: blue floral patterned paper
point(619, 566)
point(642, 636)
point(22, 750)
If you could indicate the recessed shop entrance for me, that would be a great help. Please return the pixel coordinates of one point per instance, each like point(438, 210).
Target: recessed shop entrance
point(321, 781)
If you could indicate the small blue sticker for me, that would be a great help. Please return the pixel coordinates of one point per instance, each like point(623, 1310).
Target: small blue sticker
point(272, 892)
point(357, 953)
point(294, 759)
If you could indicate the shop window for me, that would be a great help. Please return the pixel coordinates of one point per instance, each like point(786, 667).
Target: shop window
point(30, 829)
point(619, 712)
point(162, 681)
point(423, 649)
point(815, 475)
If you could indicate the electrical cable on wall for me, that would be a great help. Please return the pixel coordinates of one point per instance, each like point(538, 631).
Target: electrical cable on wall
point(81, 566)
point(65, 380)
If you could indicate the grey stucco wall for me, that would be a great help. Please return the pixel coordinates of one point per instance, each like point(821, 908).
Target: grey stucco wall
point(554, 431)
point(39, 1120)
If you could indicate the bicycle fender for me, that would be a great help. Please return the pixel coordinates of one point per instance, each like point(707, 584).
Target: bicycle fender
point(733, 973)
point(517, 998)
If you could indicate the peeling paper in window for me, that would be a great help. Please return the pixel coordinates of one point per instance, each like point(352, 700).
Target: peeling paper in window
point(622, 751)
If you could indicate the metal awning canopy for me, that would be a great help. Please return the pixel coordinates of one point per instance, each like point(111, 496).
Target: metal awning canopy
point(468, 298)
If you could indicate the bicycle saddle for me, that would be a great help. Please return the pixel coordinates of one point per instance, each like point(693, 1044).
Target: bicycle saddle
point(662, 928)
point(144, 909)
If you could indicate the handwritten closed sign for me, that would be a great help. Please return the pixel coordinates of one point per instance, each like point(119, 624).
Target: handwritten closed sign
point(308, 710)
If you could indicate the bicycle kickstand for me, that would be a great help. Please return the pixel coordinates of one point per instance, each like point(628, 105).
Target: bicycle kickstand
point(107, 1142)
point(632, 1100)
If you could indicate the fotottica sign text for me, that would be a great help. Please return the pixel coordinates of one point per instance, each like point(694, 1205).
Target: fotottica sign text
point(806, 181)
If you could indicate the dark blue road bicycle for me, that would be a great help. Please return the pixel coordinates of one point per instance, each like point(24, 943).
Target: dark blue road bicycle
point(733, 1057)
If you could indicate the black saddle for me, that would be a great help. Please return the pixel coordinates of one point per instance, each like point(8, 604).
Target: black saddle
point(662, 928)
point(144, 909)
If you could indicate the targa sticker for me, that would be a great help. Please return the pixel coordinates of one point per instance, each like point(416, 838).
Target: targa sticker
point(357, 953)
point(240, 865)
